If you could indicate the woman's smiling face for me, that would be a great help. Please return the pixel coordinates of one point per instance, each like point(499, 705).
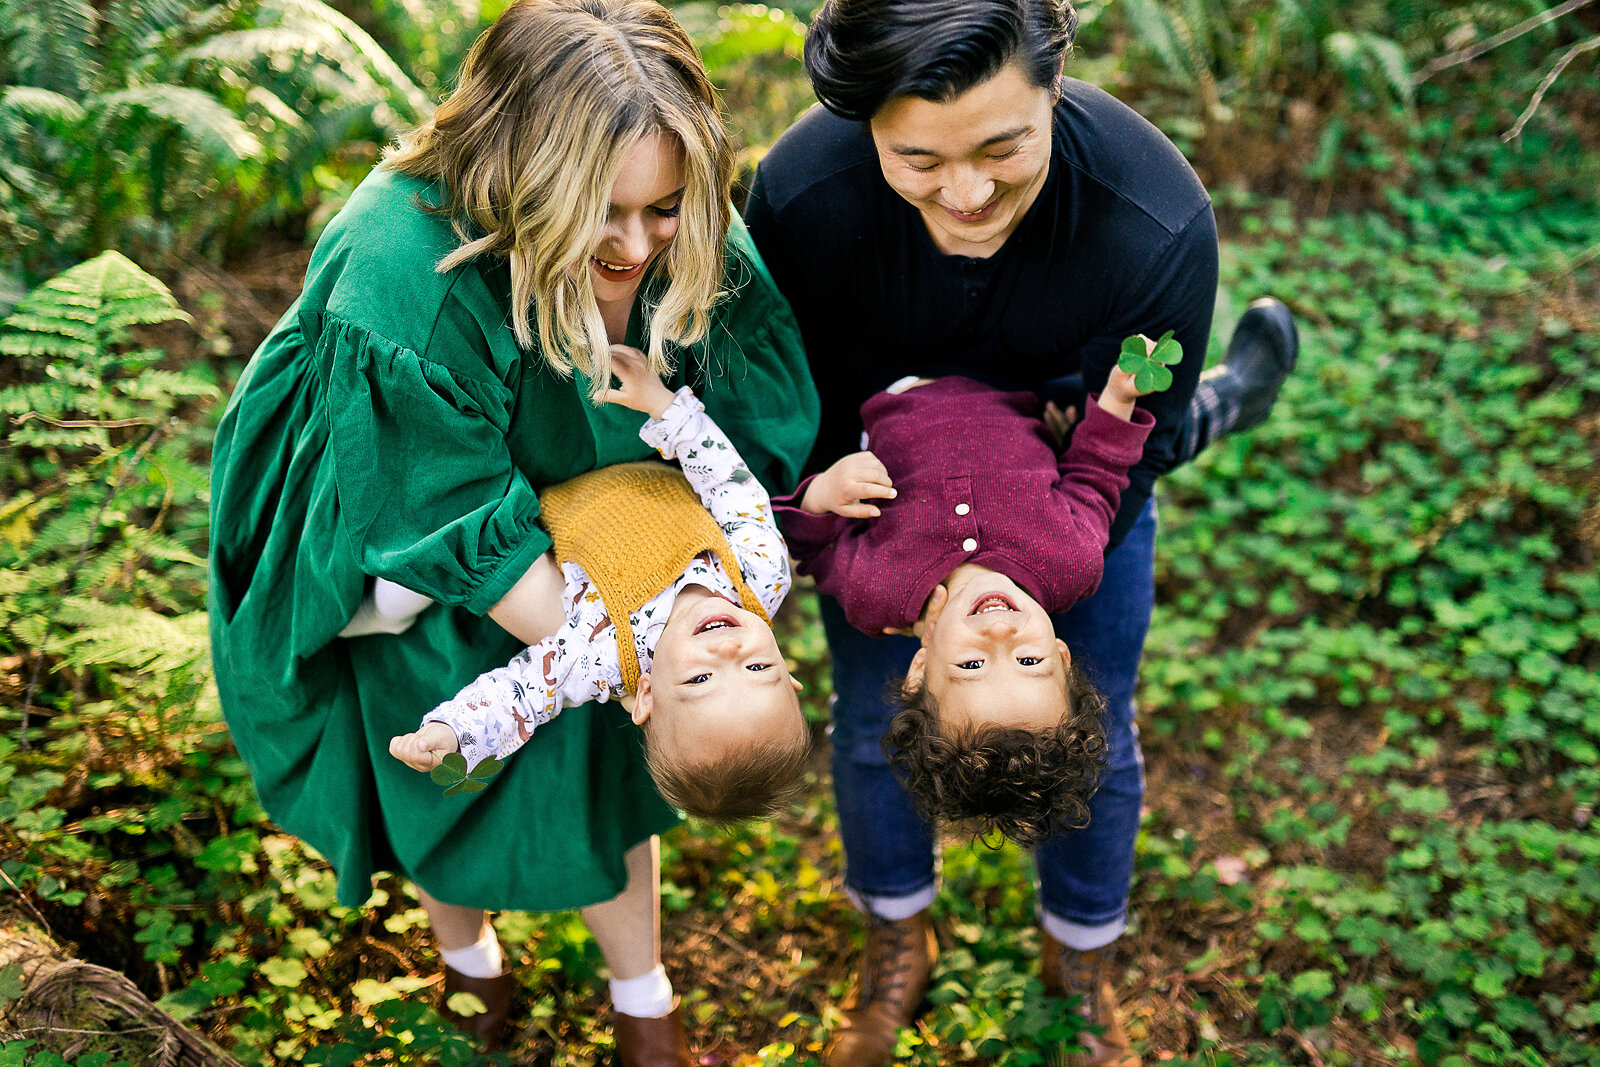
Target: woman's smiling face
point(972, 165)
point(641, 217)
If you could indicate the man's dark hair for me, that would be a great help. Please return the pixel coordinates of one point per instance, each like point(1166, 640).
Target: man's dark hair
point(1021, 784)
point(862, 53)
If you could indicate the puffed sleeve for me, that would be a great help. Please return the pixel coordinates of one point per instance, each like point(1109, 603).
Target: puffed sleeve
point(427, 490)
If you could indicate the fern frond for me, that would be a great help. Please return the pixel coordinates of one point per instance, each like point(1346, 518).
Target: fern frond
point(243, 49)
point(34, 104)
point(52, 44)
point(412, 101)
point(147, 21)
point(270, 104)
point(132, 637)
point(198, 116)
point(1390, 59)
point(160, 546)
point(107, 292)
point(48, 336)
point(156, 385)
point(1154, 28)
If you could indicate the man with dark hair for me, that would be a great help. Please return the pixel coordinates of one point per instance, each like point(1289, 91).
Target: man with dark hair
point(963, 208)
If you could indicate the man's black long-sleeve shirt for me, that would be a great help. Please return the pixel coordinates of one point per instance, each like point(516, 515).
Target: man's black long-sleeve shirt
point(1120, 241)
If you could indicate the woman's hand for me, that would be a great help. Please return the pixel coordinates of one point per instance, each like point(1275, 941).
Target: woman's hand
point(425, 749)
point(845, 488)
point(641, 389)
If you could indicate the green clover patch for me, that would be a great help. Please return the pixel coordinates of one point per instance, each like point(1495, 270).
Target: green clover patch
point(452, 772)
point(1149, 370)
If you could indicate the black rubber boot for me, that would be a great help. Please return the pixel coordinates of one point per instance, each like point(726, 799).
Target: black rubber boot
point(1237, 394)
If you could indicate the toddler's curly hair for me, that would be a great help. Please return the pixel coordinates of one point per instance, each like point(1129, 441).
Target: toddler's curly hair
point(1007, 780)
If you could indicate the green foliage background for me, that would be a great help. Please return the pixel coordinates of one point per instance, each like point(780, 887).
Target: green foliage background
point(1369, 700)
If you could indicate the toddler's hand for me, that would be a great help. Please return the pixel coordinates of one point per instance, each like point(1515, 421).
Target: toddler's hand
point(845, 488)
point(641, 389)
point(426, 748)
point(1120, 392)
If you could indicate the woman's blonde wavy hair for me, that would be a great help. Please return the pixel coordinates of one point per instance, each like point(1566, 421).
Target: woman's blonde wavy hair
point(550, 100)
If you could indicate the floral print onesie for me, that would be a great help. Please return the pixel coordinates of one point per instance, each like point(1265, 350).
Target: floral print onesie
point(497, 712)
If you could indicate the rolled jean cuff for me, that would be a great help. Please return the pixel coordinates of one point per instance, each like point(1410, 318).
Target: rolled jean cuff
point(894, 909)
point(1082, 938)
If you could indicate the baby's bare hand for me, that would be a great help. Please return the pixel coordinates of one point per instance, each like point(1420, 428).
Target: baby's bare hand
point(424, 749)
point(1120, 386)
point(845, 488)
point(641, 389)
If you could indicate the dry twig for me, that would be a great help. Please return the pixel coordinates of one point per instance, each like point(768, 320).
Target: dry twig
point(1544, 86)
point(1472, 52)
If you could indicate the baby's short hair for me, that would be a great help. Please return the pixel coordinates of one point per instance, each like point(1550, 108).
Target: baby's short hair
point(1019, 783)
point(750, 784)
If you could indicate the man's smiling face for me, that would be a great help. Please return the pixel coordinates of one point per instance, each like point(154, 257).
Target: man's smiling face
point(972, 165)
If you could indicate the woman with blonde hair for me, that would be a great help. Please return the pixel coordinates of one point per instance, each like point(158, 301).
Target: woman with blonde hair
point(441, 366)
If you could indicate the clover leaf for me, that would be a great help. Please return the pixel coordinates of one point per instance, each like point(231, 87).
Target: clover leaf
point(452, 772)
point(1149, 365)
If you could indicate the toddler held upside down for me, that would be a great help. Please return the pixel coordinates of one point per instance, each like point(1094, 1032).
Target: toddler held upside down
point(668, 601)
point(981, 532)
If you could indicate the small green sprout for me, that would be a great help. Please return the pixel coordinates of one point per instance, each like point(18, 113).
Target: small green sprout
point(1149, 368)
point(452, 772)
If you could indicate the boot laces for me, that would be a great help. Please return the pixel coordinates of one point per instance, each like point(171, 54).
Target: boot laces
point(1084, 973)
point(888, 959)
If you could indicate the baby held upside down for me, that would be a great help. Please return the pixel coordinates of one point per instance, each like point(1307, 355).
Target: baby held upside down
point(668, 613)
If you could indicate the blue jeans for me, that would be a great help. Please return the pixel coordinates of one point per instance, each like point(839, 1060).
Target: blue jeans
point(1083, 874)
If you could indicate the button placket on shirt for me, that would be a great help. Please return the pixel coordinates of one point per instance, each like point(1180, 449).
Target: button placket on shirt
point(963, 523)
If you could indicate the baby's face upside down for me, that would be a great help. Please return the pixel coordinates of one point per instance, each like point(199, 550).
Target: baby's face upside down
point(990, 656)
point(718, 679)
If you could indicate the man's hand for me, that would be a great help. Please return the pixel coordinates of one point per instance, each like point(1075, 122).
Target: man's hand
point(641, 389)
point(1057, 421)
point(845, 488)
point(425, 749)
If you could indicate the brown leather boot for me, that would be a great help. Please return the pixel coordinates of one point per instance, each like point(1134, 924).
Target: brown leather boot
point(651, 1042)
point(1070, 973)
point(894, 973)
point(488, 1025)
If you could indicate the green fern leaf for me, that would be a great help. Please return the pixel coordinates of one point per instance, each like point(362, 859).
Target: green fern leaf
point(50, 44)
point(244, 49)
point(42, 336)
point(412, 101)
point(156, 385)
point(35, 105)
point(160, 546)
point(271, 105)
point(95, 300)
point(149, 21)
point(1391, 62)
point(198, 116)
point(116, 635)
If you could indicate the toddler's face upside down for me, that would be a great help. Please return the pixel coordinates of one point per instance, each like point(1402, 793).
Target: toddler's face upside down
point(990, 656)
point(723, 727)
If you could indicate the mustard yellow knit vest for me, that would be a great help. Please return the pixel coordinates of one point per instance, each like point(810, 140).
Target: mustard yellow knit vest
point(634, 528)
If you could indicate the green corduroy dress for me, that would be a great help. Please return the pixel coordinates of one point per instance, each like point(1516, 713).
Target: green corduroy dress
point(390, 426)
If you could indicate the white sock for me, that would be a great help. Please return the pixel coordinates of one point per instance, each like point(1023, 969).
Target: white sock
point(396, 601)
point(648, 996)
point(480, 960)
point(388, 609)
point(895, 909)
point(1078, 937)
